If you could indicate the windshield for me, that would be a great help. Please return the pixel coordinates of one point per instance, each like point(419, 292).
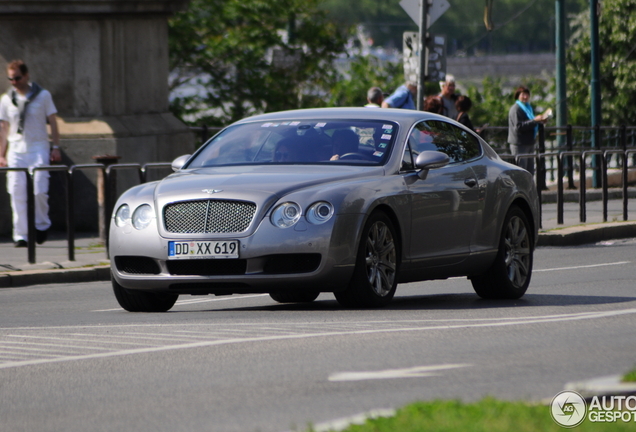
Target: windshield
point(355, 142)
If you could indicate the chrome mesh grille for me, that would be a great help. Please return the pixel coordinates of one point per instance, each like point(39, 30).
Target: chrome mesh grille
point(208, 216)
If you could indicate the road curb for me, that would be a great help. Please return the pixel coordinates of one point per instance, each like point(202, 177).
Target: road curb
point(603, 386)
point(584, 234)
point(39, 277)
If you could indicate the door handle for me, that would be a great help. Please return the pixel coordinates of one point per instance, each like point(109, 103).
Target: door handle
point(470, 182)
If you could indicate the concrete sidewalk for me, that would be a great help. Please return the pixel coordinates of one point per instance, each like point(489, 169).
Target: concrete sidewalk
point(91, 261)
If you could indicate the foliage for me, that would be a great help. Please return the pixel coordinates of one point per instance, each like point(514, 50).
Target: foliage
point(519, 25)
point(617, 39)
point(630, 376)
point(221, 51)
point(486, 415)
point(492, 103)
point(363, 72)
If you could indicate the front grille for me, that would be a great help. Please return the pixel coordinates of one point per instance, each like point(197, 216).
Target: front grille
point(137, 265)
point(208, 216)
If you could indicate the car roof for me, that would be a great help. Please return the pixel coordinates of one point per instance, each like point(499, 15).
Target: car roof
point(382, 114)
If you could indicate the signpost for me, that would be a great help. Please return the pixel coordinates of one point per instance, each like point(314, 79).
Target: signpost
point(419, 48)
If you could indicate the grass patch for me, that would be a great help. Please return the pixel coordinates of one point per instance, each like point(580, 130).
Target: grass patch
point(486, 415)
point(630, 376)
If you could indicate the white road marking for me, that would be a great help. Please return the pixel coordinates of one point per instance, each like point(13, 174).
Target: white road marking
point(583, 267)
point(418, 371)
point(320, 330)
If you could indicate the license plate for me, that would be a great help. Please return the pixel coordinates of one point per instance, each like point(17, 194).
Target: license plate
point(203, 249)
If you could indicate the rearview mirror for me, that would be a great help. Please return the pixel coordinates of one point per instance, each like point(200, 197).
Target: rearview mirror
point(178, 163)
point(428, 160)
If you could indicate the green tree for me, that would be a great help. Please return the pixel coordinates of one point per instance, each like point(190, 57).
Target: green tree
point(519, 25)
point(492, 103)
point(363, 72)
point(222, 58)
point(617, 39)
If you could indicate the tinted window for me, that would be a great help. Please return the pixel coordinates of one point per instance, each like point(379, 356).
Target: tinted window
point(458, 144)
point(318, 141)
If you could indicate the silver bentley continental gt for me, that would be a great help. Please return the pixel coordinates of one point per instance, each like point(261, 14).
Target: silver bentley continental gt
point(345, 200)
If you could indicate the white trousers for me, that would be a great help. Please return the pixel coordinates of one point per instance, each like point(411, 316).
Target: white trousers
point(16, 186)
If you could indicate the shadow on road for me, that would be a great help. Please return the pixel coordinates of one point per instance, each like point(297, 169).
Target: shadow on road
point(462, 301)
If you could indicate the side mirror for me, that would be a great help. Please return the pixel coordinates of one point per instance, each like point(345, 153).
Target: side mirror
point(178, 163)
point(428, 160)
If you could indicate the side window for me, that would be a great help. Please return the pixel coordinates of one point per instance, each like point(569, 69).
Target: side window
point(458, 144)
point(407, 161)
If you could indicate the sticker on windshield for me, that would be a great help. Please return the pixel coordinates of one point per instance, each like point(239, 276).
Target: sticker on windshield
point(386, 137)
point(378, 154)
point(388, 131)
point(319, 125)
point(266, 125)
point(295, 123)
point(387, 126)
point(382, 145)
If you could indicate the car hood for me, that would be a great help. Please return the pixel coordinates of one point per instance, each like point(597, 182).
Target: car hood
point(256, 184)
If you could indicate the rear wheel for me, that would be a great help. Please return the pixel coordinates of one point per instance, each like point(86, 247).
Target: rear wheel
point(294, 297)
point(375, 276)
point(139, 301)
point(509, 275)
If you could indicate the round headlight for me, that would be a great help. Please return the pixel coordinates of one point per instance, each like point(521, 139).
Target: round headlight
point(142, 216)
point(320, 212)
point(286, 215)
point(122, 216)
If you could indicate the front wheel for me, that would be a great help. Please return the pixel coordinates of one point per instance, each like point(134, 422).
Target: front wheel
point(509, 275)
point(139, 301)
point(375, 276)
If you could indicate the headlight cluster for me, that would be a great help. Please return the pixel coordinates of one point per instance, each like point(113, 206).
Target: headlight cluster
point(141, 217)
point(288, 214)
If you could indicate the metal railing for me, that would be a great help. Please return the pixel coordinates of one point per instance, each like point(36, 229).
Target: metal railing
point(559, 159)
point(106, 196)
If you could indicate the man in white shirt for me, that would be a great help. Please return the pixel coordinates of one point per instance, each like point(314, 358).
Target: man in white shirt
point(24, 143)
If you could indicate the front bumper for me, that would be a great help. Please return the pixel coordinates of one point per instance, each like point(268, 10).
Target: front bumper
point(304, 257)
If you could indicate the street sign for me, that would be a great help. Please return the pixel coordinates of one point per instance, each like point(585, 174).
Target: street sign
point(436, 57)
point(435, 10)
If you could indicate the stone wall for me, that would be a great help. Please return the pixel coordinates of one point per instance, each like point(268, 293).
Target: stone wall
point(106, 65)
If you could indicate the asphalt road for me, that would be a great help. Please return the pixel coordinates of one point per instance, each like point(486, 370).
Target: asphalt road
point(72, 360)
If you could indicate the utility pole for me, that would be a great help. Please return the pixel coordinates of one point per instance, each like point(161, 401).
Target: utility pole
point(595, 88)
point(561, 96)
point(423, 54)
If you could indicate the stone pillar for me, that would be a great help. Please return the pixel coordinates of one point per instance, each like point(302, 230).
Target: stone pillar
point(106, 64)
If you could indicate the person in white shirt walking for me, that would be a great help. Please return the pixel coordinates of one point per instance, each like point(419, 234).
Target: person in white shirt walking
point(24, 143)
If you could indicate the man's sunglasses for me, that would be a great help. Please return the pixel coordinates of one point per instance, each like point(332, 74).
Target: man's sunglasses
point(16, 79)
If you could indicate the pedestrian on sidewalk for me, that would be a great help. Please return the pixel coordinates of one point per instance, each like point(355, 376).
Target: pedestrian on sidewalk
point(24, 143)
point(375, 97)
point(523, 127)
point(463, 105)
point(403, 97)
point(448, 96)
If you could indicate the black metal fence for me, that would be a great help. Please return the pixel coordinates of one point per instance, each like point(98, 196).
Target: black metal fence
point(553, 159)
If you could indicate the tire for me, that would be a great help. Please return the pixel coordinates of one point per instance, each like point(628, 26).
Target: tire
point(294, 296)
point(376, 272)
point(509, 275)
point(137, 301)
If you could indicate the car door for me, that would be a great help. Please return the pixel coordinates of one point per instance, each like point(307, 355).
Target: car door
point(444, 205)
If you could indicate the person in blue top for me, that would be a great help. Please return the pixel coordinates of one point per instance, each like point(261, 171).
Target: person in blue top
point(403, 97)
point(523, 127)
